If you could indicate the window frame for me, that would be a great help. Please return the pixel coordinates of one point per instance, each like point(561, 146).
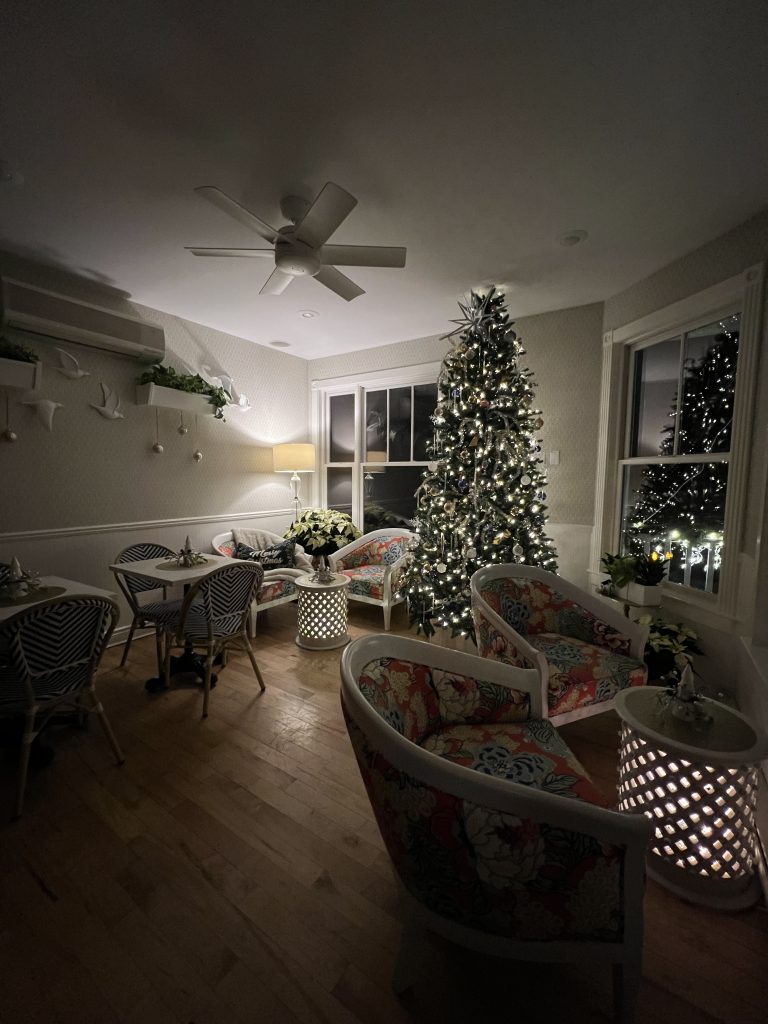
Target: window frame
point(359, 384)
point(741, 293)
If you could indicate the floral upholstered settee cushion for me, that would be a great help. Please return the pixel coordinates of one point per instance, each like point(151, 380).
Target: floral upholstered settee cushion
point(532, 606)
point(382, 551)
point(581, 673)
point(366, 580)
point(271, 590)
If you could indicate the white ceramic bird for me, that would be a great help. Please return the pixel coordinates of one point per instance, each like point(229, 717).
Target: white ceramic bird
point(241, 401)
point(69, 366)
point(44, 408)
point(110, 410)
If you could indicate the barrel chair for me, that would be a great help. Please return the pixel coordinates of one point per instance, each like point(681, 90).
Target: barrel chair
point(373, 564)
point(498, 837)
point(584, 650)
point(279, 586)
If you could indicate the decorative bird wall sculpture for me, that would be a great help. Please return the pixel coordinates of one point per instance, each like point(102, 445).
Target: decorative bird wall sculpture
point(69, 366)
point(44, 408)
point(110, 409)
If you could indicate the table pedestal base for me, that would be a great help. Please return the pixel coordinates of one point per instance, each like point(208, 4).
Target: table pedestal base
point(325, 644)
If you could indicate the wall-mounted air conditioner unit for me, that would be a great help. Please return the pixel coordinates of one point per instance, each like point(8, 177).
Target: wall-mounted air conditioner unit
point(57, 316)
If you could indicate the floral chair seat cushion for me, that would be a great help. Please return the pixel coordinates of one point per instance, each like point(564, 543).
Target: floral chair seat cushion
point(271, 591)
point(581, 673)
point(531, 753)
point(366, 580)
point(532, 607)
point(379, 551)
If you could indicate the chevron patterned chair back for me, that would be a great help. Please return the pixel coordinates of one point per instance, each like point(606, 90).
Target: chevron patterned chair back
point(131, 586)
point(5, 572)
point(50, 653)
point(214, 616)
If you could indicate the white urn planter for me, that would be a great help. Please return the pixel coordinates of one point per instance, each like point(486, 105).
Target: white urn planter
point(14, 373)
point(648, 597)
point(170, 398)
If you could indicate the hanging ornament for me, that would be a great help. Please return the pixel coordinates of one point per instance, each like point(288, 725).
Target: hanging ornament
point(157, 448)
point(484, 403)
point(470, 552)
point(182, 428)
point(441, 567)
point(9, 433)
point(450, 507)
point(517, 551)
point(474, 442)
point(197, 455)
point(525, 480)
point(538, 423)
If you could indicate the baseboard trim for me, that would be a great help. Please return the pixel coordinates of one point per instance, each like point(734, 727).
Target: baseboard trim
point(149, 524)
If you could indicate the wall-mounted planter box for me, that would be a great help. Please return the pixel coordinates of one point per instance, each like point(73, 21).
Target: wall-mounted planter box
point(16, 374)
point(649, 597)
point(170, 398)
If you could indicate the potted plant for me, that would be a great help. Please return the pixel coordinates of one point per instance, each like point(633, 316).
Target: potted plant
point(621, 572)
point(164, 386)
point(669, 649)
point(321, 531)
point(19, 366)
point(635, 578)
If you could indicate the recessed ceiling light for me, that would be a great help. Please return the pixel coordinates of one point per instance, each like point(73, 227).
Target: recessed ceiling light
point(280, 344)
point(572, 237)
point(307, 313)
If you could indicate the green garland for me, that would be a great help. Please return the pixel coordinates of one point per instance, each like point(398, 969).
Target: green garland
point(193, 384)
point(13, 350)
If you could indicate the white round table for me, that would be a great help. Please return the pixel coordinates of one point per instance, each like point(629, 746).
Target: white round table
point(322, 613)
point(698, 783)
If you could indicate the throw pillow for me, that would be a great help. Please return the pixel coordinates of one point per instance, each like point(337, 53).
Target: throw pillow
point(277, 556)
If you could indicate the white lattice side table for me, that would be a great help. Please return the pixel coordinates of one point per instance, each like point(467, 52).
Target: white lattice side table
point(322, 613)
point(697, 782)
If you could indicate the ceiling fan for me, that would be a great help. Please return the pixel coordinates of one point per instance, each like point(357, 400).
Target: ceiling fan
point(299, 247)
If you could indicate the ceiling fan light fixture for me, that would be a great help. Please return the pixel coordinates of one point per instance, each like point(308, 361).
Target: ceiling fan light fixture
point(280, 344)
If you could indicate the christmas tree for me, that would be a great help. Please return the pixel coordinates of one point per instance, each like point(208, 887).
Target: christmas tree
point(681, 508)
point(481, 500)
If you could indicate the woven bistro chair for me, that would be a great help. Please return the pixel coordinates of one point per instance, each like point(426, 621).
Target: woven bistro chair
point(214, 616)
point(144, 615)
point(48, 656)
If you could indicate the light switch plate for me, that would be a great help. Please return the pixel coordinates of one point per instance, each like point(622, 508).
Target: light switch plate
point(554, 458)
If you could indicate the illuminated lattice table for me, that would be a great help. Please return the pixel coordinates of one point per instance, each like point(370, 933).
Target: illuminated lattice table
point(698, 785)
point(322, 613)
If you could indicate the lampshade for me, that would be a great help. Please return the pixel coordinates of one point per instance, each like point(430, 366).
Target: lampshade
point(294, 458)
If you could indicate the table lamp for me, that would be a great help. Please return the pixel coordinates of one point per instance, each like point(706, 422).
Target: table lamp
point(294, 459)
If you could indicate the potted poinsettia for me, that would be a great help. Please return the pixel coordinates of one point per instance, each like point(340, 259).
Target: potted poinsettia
point(19, 366)
point(321, 531)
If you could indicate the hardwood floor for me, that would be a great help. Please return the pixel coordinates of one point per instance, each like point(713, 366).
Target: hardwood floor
point(232, 871)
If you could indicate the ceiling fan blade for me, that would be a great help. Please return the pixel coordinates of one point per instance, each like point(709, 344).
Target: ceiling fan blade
point(330, 208)
point(363, 255)
point(197, 251)
point(339, 283)
point(228, 205)
point(276, 283)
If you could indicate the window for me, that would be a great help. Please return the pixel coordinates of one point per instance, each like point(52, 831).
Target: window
point(376, 435)
point(677, 396)
point(674, 479)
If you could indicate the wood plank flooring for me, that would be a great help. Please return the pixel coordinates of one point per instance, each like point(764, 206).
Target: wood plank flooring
point(231, 871)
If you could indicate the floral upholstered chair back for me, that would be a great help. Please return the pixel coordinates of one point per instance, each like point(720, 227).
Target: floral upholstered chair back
point(378, 551)
point(532, 606)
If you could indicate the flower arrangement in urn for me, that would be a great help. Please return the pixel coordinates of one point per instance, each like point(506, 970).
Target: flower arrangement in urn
point(321, 531)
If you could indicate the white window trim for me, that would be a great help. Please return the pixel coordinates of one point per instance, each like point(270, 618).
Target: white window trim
point(357, 383)
point(744, 290)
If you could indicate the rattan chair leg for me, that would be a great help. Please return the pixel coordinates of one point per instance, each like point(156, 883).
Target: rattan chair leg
point(252, 656)
point(98, 707)
point(128, 642)
point(26, 747)
point(159, 649)
point(167, 665)
point(210, 654)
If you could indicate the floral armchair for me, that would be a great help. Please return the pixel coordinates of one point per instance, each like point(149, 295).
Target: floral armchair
point(373, 564)
point(584, 650)
point(279, 586)
point(499, 838)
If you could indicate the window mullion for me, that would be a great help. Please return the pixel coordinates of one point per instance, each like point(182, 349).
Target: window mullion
point(679, 399)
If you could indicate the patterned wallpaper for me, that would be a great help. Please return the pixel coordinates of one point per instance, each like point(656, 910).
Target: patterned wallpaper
point(564, 350)
point(91, 470)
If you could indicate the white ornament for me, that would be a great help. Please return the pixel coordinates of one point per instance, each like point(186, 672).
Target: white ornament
point(110, 410)
point(157, 448)
point(471, 552)
point(197, 455)
point(182, 428)
point(45, 409)
point(525, 480)
point(9, 435)
point(69, 366)
point(517, 551)
point(441, 567)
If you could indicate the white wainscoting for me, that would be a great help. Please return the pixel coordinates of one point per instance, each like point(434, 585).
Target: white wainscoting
point(84, 553)
point(573, 542)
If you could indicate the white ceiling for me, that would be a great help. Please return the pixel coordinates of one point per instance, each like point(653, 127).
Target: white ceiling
point(474, 134)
